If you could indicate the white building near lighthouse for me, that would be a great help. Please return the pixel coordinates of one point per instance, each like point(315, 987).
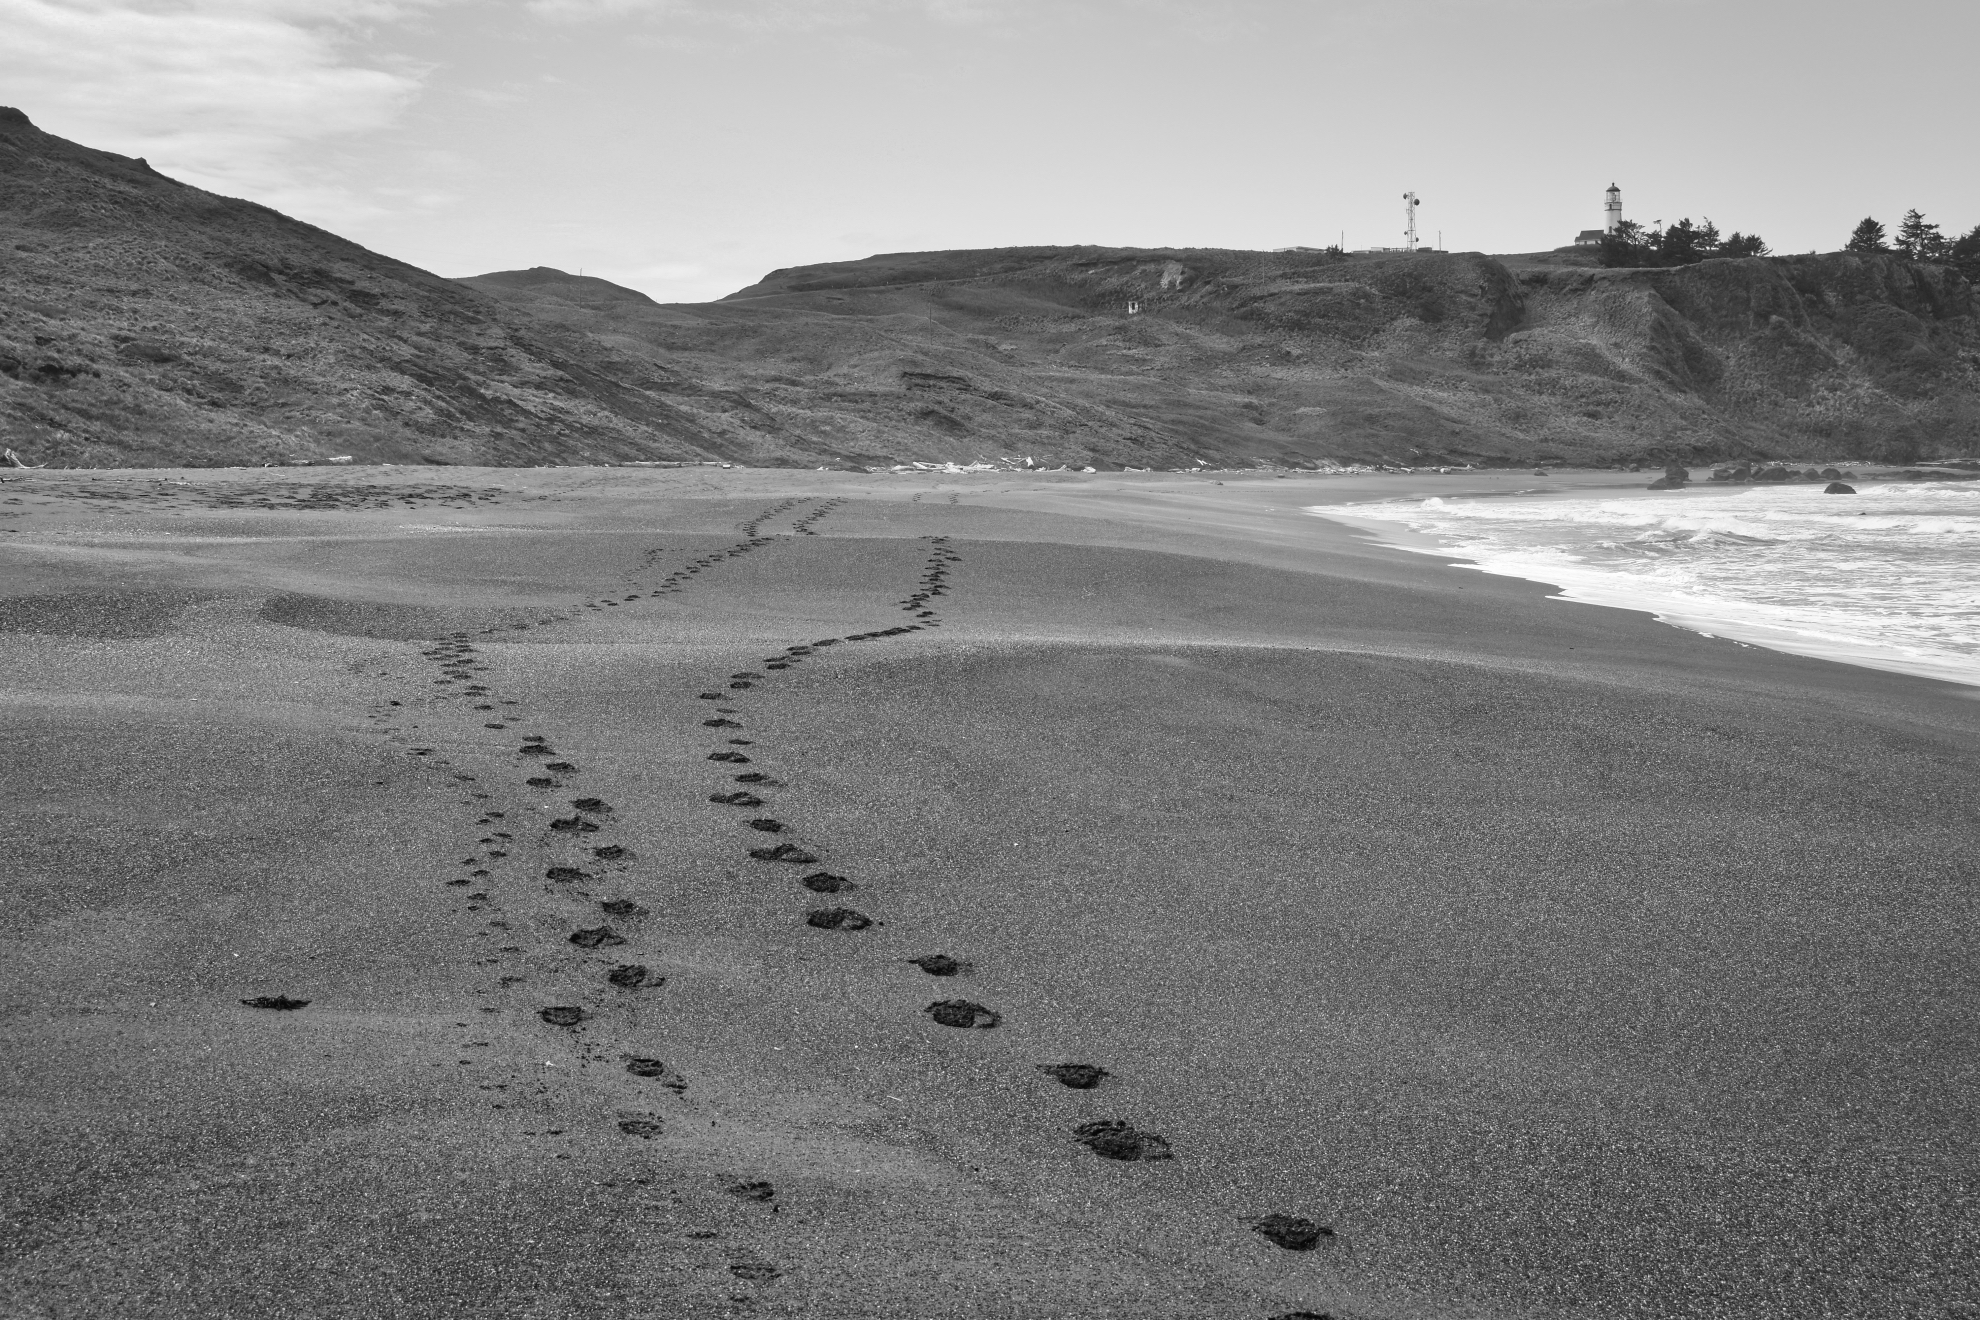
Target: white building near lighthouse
point(1611, 218)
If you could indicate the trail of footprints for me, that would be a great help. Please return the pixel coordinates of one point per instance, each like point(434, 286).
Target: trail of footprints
point(582, 862)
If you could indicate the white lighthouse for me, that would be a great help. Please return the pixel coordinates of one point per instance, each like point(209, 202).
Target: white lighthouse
point(1611, 209)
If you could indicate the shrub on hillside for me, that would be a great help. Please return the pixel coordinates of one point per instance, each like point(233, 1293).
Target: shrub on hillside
point(1683, 244)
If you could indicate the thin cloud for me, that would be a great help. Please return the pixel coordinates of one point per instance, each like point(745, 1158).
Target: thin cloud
point(234, 95)
point(777, 16)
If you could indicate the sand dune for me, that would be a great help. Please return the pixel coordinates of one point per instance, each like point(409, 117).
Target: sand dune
point(698, 881)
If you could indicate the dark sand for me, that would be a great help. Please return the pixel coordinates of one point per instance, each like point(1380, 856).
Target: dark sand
point(1561, 962)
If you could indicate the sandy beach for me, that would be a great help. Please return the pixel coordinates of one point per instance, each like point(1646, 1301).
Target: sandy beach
point(1544, 959)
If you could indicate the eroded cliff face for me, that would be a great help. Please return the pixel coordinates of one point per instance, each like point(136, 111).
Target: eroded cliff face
point(143, 321)
point(1865, 356)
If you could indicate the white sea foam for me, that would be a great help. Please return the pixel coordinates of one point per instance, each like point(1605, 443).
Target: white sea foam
point(1888, 578)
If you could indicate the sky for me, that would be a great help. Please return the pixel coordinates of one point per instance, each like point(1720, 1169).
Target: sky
point(688, 147)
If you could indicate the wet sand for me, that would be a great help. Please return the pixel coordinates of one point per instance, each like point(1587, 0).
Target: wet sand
point(1553, 961)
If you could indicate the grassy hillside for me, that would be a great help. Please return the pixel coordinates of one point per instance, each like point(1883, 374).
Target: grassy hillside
point(1301, 357)
point(143, 321)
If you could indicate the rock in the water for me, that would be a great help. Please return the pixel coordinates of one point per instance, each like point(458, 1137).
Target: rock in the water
point(1838, 488)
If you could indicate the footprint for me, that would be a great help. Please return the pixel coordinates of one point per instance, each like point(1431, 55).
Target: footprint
point(736, 799)
point(754, 1270)
point(757, 777)
point(752, 1191)
point(561, 767)
point(632, 976)
point(281, 1003)
point(824, 882)
point(767, 825)
point(622, 907)
point(567, 875)
point(783, 852)
point(596, 937)
point(721, 724)
point(962, 1013)
point(1290, 1231)
point(1079, 1076)
point(1113, 1139)
point(937, 964)
point(574, 825)
point(641, 1127)
point(541, 782)
point(562, 1016)
point(592, 806)
point(735, 757)
point(837, 919)
point(611, 852)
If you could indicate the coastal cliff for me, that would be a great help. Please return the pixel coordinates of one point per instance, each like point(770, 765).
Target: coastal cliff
point(146, 322)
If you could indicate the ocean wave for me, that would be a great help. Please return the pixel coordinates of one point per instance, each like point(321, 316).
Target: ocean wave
point(1889, 577)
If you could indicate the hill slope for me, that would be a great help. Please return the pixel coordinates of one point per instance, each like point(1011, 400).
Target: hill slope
point(1298, 357)
point(146, 322)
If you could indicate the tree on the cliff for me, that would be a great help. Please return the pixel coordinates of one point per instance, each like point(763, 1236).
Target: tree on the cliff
point(1919, 239)
point(1963, 254)
point(1868, 236)
point(1685, 244)
point(1682, 244)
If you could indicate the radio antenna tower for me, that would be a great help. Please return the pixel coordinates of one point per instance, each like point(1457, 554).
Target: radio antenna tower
point(1410, 200)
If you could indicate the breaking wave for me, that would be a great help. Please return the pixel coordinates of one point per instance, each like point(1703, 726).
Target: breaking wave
point(1888, 578)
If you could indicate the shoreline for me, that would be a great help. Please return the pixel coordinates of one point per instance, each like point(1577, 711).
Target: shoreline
point(1720, 618)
